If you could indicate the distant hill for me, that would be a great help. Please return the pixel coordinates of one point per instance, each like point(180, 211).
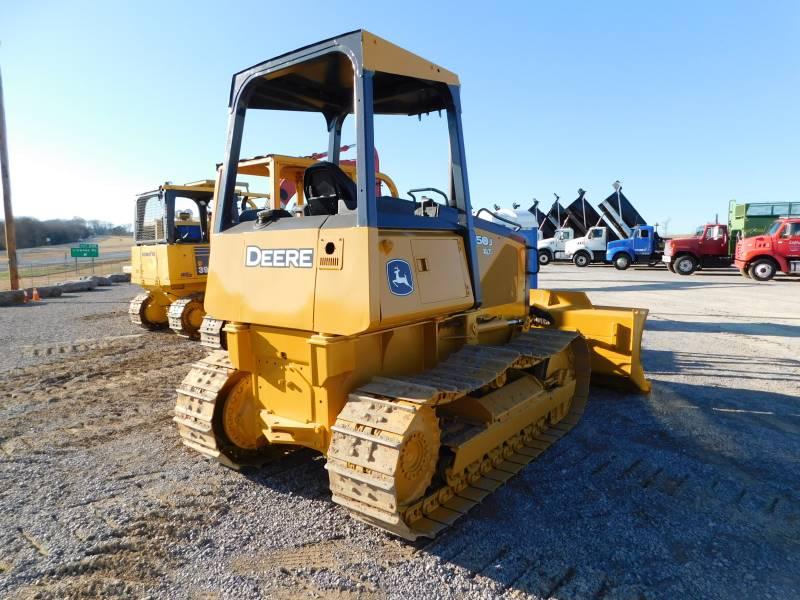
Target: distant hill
point(32, 233)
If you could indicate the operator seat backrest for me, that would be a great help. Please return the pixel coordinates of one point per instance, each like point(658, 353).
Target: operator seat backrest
point(188, 233)
point(325, 184)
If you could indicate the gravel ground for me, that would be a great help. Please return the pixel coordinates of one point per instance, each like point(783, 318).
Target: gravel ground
point(691, 491)
point(39, 331)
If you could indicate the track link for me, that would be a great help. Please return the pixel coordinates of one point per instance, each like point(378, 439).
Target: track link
point(197, 396)
point(177, 315)
point(364, 459)
point(212, 334)
point(199, 424)
point(136, 312)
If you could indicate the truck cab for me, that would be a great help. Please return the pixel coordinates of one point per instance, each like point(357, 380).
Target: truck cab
point(553, 248)
point(644, 246)
point(589, 248)
point(760, 257)
point(708, 248)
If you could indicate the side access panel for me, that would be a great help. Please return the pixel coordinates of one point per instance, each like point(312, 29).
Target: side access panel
point(183, 264)
point(268, 276)
point(501, 261)
point(420, 275)
point(379, 278)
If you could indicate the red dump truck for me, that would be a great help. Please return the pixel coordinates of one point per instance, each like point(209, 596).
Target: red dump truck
point(760, 257)
point(710, 247)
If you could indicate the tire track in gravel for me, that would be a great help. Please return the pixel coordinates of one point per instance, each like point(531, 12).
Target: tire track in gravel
point(109, 389)
point(71, 425)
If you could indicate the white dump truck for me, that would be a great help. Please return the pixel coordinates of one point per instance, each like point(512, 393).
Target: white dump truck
point(554, 248)
point(588, 248)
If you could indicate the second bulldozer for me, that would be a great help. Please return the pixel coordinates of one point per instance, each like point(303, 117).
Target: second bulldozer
point(402, 347)
point(170, 256)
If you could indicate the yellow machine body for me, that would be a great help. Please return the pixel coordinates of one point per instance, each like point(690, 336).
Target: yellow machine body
point(175, 269)
point(342, 325)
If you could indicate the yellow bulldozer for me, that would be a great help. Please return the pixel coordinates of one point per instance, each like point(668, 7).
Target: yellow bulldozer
point(407, 348)
point(171, 253)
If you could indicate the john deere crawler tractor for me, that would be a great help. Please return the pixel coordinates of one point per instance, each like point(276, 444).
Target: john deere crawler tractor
point(404, 348)
point(170, 258)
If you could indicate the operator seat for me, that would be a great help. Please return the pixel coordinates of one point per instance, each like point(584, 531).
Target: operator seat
point(188, 233)
point(325, 185)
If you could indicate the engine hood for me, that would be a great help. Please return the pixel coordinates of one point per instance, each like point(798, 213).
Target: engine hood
point(757, 242)
point(617, 244)
point(673, 245)
point(575, 243)
point(682, 242)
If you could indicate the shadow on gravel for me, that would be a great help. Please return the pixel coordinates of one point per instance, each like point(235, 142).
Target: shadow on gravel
point(720, 273)
point(667, 285)
point(724, 366)
point(656, 496)
point(301, 472)
point(769, 329)
point(754, 408)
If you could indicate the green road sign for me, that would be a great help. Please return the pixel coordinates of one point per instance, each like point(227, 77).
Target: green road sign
point(85, 251)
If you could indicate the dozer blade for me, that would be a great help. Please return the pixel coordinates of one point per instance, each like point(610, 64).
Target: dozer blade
point(614, 335)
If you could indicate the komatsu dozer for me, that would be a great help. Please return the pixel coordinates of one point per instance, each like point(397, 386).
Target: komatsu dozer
point(171, 253)
point(403, 347)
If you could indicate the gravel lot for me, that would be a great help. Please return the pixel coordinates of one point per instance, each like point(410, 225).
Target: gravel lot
point(691, 491)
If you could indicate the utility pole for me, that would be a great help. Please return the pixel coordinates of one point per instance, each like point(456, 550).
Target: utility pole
point(11, 238)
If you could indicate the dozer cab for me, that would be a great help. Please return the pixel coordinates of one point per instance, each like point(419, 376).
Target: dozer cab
point(403, 349)
point(171, 253)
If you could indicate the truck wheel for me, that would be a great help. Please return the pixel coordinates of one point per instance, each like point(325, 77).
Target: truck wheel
point(581, 259)
point(622, 261)
point(685, 265)
point(545, 257)
point(762, 270)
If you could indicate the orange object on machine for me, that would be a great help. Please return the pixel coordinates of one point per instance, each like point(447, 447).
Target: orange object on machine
point(35, 296)
point(288, 187)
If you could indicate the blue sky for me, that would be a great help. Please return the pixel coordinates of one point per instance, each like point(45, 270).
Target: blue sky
point(689, 104)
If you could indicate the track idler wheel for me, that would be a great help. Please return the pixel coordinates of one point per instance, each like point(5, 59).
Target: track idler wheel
point(417, 456)
point(147, 313)
point(186, 316)
point(383, 455)
point(217, 415)
point(237, 423)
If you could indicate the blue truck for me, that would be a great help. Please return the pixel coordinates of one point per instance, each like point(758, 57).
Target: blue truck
point(644, 246)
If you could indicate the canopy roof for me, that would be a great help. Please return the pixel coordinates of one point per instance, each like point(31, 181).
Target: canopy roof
point(200, 190)
point(319, 78)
